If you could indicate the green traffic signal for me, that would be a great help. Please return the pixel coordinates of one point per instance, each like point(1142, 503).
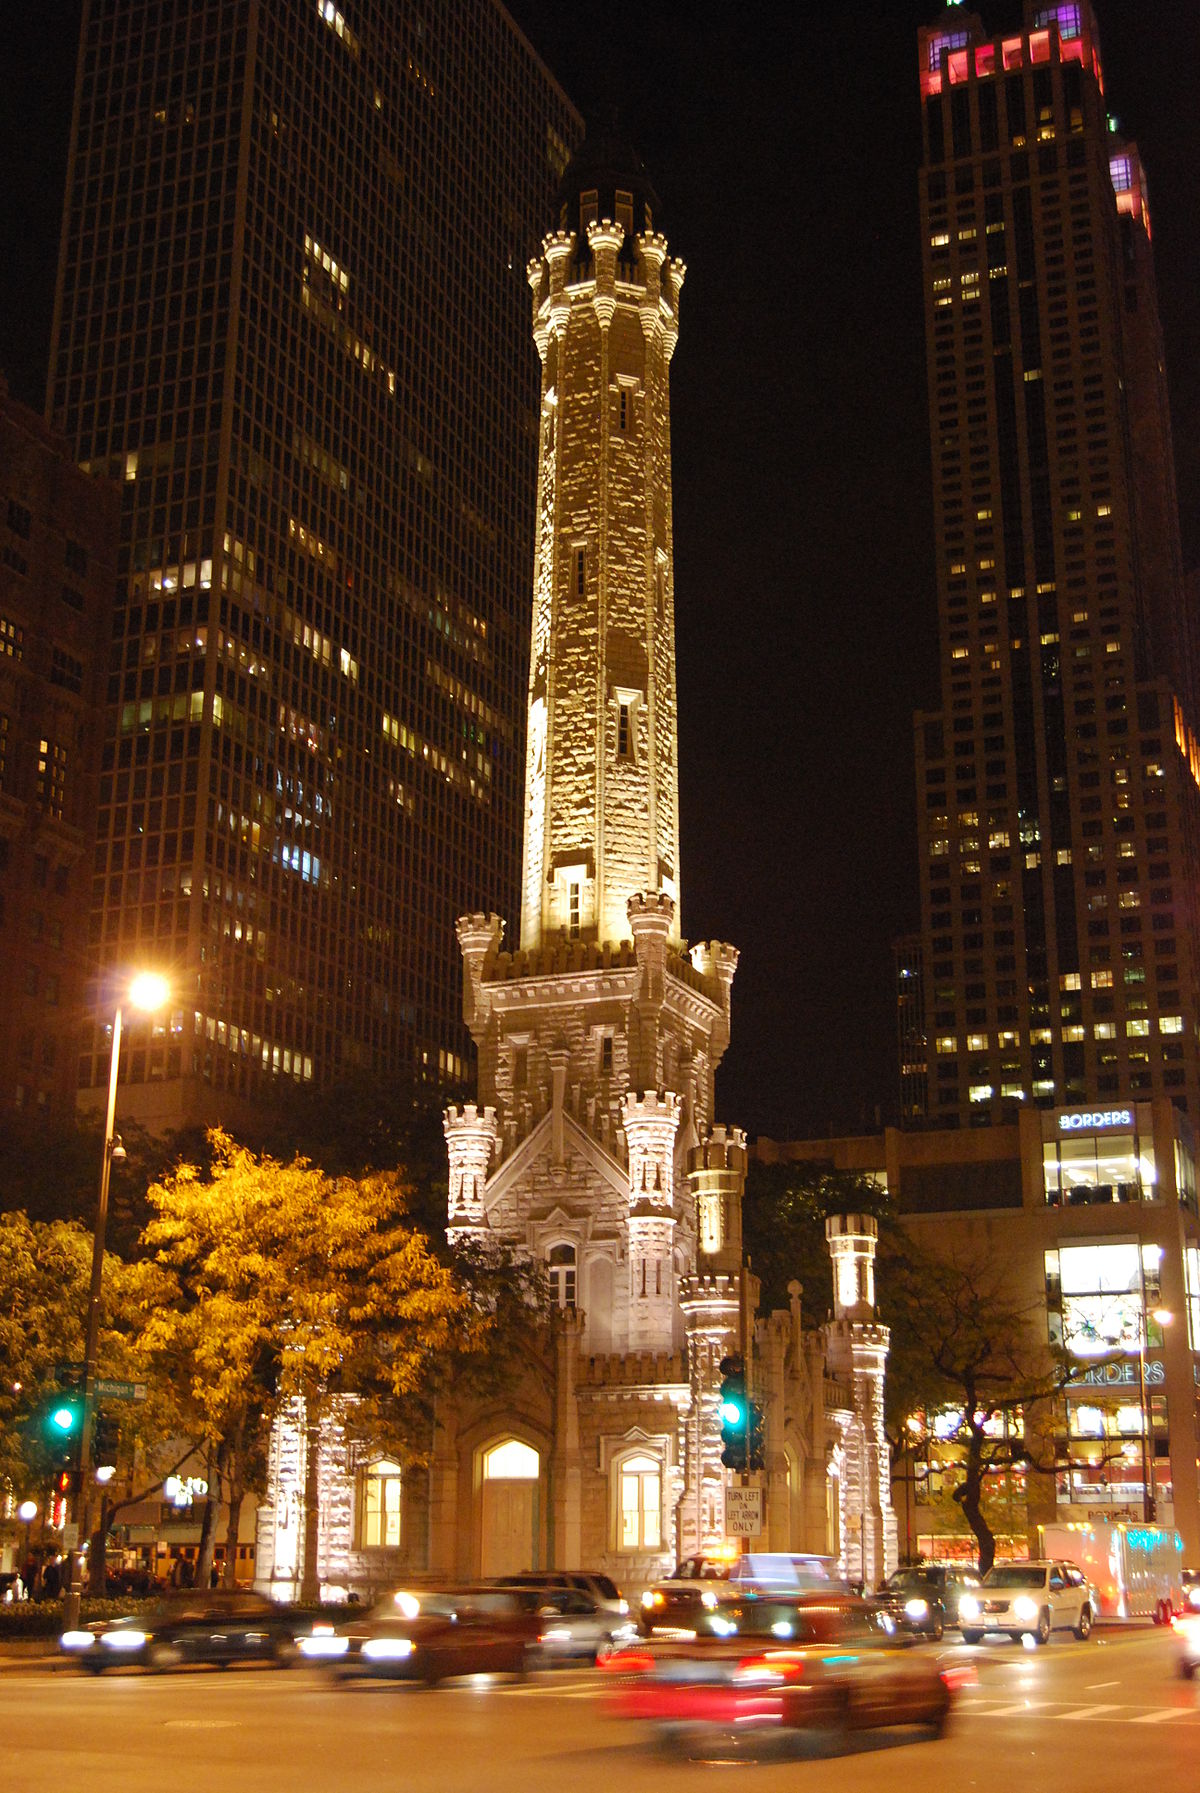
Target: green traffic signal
point(733, 1409)
point(64, 1419)
point(733, 1413)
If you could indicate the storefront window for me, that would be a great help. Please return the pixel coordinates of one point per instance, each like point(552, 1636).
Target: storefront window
point(1089, 1167)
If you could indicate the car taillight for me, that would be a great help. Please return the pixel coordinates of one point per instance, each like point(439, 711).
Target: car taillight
point(960, 1675)
point(627, 1662)
point(758, 1671)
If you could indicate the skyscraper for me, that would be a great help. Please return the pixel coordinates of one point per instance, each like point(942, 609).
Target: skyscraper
point(58, 540)
point(1059, 810)
point(291, 281)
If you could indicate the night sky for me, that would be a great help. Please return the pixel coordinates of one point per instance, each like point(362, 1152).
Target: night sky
point(784, 144)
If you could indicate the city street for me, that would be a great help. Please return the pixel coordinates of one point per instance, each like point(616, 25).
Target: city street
point(1064, 1718)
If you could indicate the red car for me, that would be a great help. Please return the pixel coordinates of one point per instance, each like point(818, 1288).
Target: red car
point(431, 1635)
point(819, 1660)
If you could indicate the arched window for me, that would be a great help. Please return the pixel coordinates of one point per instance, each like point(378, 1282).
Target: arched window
point(639, 1503)
point(379, 1526)
point(562, 1276)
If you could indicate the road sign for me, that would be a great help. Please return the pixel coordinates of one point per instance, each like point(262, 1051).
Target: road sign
point(70, 1536)
point(743, 1512)
point(119, 1391)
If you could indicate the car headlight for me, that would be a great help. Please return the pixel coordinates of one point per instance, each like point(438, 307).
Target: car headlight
point(77, 1640)
point(324, 1644)
point(709, 1600)
point(1193, 1595)
point(622, 1606)
point(387, 1649)
point(916, 1609)
point(968, 1607)
point(1024, 1607)
point(650, 1598)
point(123, 1640)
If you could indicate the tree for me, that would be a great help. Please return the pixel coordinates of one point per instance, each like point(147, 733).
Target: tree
point(45, 1274)
point(291, 1283)
point(964, 1347)
point(784, 1210)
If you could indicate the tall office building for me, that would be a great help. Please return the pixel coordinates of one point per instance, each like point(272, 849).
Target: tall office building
point(290, 320)
point(1060, 817)
point(58, 544)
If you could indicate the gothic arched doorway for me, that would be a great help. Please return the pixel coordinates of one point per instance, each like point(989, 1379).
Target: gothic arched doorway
point(508, 1517)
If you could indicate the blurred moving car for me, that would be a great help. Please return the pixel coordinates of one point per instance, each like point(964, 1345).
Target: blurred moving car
point(1185, 1629)
point(924, 1599)
point(431, 1635)
point(1191, 1589)
point(572, 1627)
point(675, 1605)
point(812, 1660)
point(1028, 1600)
point(601, 1589)
point(187, 1627)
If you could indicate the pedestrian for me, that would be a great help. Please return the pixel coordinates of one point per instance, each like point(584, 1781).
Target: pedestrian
point(51, 1578)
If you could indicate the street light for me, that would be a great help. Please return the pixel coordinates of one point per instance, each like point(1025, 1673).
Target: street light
point(1162, 1317)
point(27, 1513)
point(146, 991)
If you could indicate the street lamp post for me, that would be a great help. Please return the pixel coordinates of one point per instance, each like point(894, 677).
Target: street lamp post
point(27, 1513)
point(147, 991)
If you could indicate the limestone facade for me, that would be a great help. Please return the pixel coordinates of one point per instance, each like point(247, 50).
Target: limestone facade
point(592, 1144)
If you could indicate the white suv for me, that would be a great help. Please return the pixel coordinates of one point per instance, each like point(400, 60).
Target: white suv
point(1028, 1599)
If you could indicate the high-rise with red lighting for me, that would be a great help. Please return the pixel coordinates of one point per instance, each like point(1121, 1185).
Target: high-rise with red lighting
point(291, 320)
point(1059, 809)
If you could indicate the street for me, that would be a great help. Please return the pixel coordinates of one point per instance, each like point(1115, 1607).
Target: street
point(1068, 1717)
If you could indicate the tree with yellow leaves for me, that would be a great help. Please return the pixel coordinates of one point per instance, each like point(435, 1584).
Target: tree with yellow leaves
point(279, 1282)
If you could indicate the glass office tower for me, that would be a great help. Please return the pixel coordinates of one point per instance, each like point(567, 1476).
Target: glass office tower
point(1058, 798)
point(292, 320)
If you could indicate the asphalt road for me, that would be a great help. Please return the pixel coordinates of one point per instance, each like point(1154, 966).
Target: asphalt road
point(1073, 1718)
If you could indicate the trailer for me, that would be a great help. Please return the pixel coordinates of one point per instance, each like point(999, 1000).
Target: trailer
point(1135, 1571)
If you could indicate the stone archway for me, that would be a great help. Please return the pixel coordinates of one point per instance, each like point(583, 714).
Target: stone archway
point(511, 1473)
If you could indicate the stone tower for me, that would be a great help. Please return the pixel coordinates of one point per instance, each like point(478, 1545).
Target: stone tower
point(856, 1349)
point(601, 784)
point(599, 1035)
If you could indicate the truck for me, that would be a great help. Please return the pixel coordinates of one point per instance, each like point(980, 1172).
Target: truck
point(1135, 1571)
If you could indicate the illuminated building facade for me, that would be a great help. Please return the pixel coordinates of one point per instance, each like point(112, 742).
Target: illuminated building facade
point(58, 546)
point(1060, 816)
point(1092, 1214)
point(592, 1145)
point(289, 323)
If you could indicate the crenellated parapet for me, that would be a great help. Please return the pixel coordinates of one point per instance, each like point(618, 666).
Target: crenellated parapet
point(852, 1240)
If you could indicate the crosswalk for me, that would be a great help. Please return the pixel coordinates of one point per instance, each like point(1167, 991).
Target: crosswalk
point(976, 1705)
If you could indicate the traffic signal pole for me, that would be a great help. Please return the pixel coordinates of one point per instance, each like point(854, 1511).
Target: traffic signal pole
point(80, 1505)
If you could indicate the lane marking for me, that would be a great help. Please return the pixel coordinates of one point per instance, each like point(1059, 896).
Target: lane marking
point(1089, 1712)
point(1160, 1717)
point(1095, 1686)
point(1012, 1711)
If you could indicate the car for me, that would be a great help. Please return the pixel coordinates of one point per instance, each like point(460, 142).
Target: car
point(189, 1626)
point(675, 1605)
point(573, 1627)
point(1028, 1600)
point(1191, 1589)
point(1185, 1629)
point(924, 1599)
point(702, 1583)
point(600, 1588)
point(816, 1660)
point(431, 1635)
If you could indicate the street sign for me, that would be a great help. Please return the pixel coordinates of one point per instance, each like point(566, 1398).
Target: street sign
point(743, 1512)
point(68, 1372)
point(119, 1391)
point(70, 1536)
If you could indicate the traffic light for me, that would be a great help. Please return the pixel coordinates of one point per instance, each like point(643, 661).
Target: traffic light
point(758, 1440)
point(62, 1425)
point(734, 1411)
point(69, 1481)
point(105, 1440)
